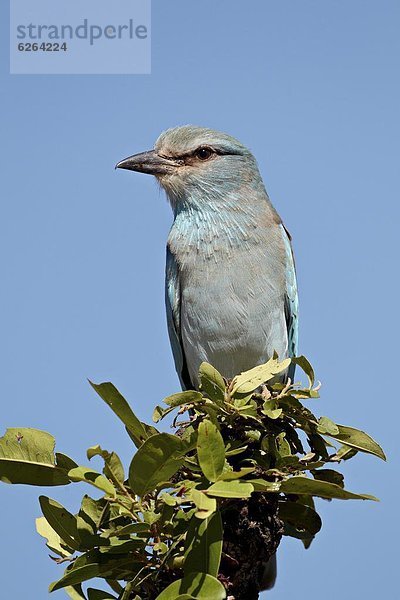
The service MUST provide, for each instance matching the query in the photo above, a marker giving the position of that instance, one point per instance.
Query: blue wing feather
(173, 308)
(291, 300)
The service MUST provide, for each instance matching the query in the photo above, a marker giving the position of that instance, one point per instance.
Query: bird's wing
(173, 307)
(291, 300)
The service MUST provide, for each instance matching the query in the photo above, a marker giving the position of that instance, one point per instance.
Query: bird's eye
(204, 153)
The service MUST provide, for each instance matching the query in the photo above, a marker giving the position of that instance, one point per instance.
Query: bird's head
(192, 163)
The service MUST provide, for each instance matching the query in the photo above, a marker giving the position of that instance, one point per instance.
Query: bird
(231, 293)
(230, 288)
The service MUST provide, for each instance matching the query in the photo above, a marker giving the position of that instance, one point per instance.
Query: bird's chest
(231, 292)
(224, 296)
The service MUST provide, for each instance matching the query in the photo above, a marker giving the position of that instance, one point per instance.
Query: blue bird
(231, 293)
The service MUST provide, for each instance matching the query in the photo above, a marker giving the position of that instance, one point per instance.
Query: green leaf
(93, 451)
(131, 528)
(151, 517)
(235, 448)
(359, 440)
(271, 409)
(61, 521)
(210, 450)
(322, 489)
(249, 410)
(344, 453)
(87, 532)
(196, 585)
(240, 400)
(306, 367)
(261, 485)
(329, 475)
(111, 396)
(159, 413)
(155, 462)
(318, 445)
(205, 505)
(54, 542)
(212, 382)
(300, 516)
(230, 475)
(27, 456)
(92, 510)
(326, 426)
(248, 381)
(65, 462)
(75, 592)
(92, 477)
(160, 547)
(203, 545)
(113, 468)
(168, 499)
(149, 429)
(91, 564)
(122, 546)
(282, 445)
(94, 594)
(76, 576)
(180, 398)
(116, 587)
(230, 489)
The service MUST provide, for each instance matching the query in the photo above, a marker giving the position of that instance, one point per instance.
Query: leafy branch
(249, 455)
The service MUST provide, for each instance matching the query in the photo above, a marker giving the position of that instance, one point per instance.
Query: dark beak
(148, 162)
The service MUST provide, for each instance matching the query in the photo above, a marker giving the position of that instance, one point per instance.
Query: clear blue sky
(313, 88)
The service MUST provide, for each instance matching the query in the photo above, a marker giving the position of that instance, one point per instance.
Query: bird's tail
(268, 577)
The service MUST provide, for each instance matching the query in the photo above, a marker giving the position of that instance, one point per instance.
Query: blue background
(313, 88)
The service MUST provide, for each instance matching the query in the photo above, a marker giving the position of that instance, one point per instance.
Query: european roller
(230, 286)
(231, 294)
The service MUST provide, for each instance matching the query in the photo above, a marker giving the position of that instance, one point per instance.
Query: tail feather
(268, 577)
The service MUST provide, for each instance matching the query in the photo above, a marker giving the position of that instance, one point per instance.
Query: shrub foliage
(157, 530)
